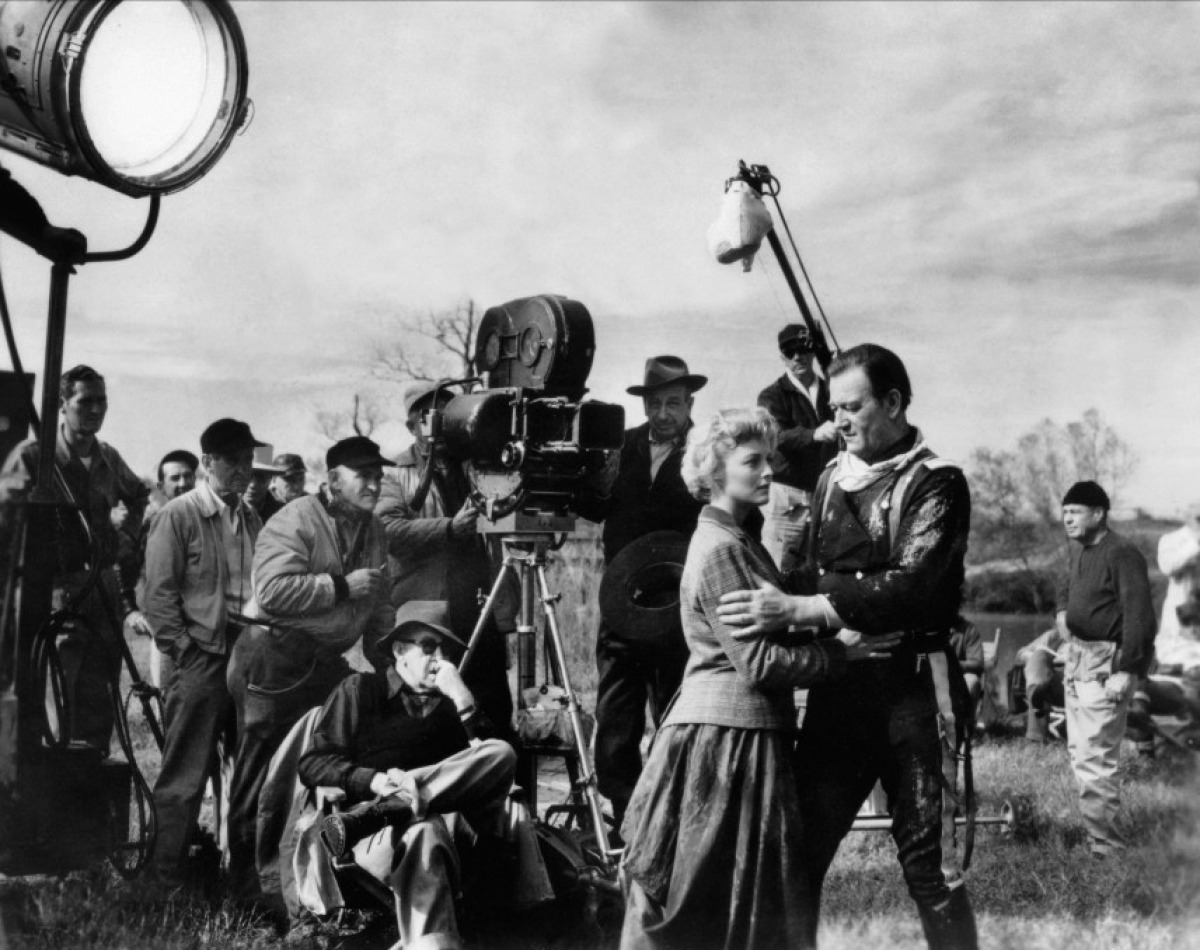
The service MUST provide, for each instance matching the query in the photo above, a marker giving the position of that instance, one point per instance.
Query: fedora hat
(431, 614)
(667, 371)
(639, 594)
(262, 460)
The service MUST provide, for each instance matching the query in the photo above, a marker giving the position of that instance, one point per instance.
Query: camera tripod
(525, 557)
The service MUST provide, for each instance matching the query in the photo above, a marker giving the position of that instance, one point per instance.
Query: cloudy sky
(1006, 194)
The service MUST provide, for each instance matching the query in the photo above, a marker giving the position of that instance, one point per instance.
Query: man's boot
(343, 830)
(950, 926)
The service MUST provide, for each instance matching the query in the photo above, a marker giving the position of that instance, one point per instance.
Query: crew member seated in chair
(398, 742)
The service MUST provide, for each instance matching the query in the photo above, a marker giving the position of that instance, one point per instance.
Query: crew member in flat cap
(288, 484)
(1106, 615)
(643, 491)
(398, 742)
(320, 581)
(198, 559)
(798, 401)
(436, 554)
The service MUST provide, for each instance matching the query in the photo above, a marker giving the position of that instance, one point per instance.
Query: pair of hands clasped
(770, 609)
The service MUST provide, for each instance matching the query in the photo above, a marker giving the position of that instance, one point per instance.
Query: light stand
(527, 541)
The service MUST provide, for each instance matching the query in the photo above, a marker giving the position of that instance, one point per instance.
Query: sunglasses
(428, 645)
(794, 350)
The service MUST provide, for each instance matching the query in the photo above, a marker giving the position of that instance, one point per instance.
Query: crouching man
(398, 742)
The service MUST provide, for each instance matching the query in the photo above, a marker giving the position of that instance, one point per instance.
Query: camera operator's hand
(449, 683)
(825, 432)
(462, 525)
(366, 582)
(861, 647)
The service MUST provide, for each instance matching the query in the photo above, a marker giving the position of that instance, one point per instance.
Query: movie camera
(528, 439)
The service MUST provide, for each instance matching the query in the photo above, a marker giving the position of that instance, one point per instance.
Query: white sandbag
(743, 222)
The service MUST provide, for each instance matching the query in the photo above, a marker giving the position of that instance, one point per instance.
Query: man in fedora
(198, 559)
(258, 494)
(798, 401)
(320, 584)
(398, 742)
(642, 492)
(435, 553)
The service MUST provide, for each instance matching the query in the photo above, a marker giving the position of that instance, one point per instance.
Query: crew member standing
(198, 561)
(1107, 617)
(886, 554)
(320, 577)
(798, 401)
(645, 493)
(98, 480)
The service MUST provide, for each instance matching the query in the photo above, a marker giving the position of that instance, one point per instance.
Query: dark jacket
(636, 507)
(798, 460)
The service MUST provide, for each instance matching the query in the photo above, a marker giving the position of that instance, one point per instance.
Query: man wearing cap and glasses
(1106, 615)
(798, 401)
(320, 584)
(288, 484)
(398, 742)
(437, 554)
(645, 493)
(198, 559)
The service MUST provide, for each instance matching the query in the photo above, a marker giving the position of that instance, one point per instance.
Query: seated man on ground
(398, 742)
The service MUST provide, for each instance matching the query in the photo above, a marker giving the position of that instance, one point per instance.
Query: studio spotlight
(140, 96)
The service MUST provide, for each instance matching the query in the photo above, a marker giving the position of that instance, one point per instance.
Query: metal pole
(587, 772)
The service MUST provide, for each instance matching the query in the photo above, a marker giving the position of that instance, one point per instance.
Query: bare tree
(363, 419)
(428, 346)
(1017, 494)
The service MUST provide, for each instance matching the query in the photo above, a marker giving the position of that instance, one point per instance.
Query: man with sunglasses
(399, 743)
(799, 402)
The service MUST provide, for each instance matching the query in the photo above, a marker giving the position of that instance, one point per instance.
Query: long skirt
(713, 856)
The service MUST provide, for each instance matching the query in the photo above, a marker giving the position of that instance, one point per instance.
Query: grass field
(1034, 889)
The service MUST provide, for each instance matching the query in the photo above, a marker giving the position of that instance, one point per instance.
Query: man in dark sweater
(399, 742)
(798, 401)
(642, 492)
(1106, 615)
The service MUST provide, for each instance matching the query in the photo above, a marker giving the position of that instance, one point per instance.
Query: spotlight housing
(141, 97)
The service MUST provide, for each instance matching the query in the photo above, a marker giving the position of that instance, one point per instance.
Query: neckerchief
(852, 474)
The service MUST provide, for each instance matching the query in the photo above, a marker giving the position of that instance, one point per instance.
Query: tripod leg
(588, 780)
(489, 607)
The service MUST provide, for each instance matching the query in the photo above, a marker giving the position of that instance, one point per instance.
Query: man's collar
(211, 502)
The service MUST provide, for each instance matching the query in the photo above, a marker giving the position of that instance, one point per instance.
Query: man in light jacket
(320, 584)
(198, 559)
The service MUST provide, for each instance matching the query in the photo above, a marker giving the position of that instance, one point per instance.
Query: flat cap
(227, 435)
(355, 452)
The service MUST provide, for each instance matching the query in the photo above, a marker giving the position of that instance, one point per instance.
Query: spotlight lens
(157, 91)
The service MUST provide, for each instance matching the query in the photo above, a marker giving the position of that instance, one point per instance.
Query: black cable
(774, 193)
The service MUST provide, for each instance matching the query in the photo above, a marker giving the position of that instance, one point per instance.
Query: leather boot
(343, 830)
(950, 926)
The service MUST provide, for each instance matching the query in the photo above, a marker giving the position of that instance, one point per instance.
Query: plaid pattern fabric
(737, 677)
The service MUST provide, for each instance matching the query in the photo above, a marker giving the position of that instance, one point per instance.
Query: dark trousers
(275, 676)
(198, 712)
(867, 727)
(629, 675)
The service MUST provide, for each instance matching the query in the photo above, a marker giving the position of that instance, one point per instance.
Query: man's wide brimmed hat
(263, 463)
(667, 371)
(431, 614)
(639, 595)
